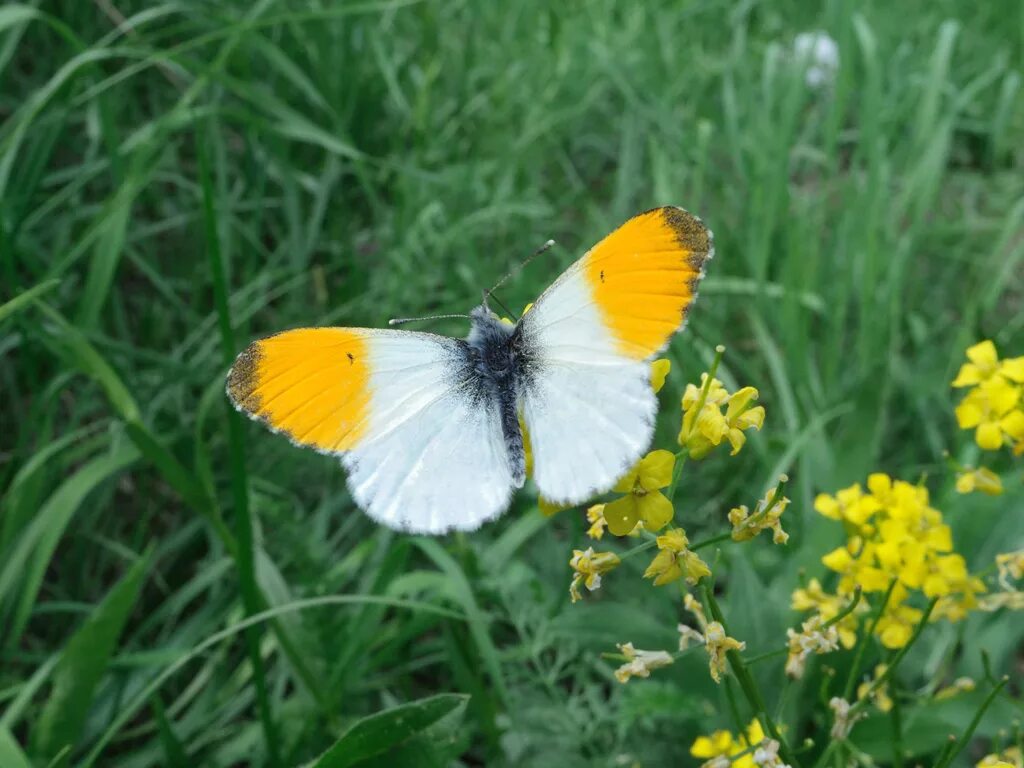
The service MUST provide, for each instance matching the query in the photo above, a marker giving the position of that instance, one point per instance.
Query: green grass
(211, 172)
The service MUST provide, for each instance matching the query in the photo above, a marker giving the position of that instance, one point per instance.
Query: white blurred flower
(820, 53)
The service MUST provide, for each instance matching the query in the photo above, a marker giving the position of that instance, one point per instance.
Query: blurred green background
(178, 178)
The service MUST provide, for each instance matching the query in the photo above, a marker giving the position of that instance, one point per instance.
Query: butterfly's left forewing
(404, 411)
(587, 399)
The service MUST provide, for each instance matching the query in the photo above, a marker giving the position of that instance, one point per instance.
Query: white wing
(588, 409)
(423, 448)
(587, 401)
(433, 458)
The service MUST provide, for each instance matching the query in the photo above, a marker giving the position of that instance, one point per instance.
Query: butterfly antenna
(402, 320)
(497, 301)
(517, 269)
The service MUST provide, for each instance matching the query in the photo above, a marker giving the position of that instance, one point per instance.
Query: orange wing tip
(691, 234)
(310, 385)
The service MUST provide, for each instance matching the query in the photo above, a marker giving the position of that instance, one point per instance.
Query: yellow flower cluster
(705, 426)
(1010, 566)
(994, 404)
(722, 744)
(1008, 758)
(894, 535)
(981, 479)
(712, 635)
(767, 515)
(588, 566)
(674, 560)
(813, 597)
(640, 663)
(880, 695)
(815, 636)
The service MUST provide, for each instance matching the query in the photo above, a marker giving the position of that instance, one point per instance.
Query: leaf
(388, 731)
(71, 344)
(84, 662)
(105, 259)
(25, 562)
(25, 298)
(11, 755)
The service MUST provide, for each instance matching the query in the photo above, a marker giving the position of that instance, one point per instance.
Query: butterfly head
(487, 331)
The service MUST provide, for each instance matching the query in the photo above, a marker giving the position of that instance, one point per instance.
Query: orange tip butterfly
(428, 427)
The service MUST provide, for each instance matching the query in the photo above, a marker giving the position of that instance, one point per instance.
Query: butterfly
(428, 427)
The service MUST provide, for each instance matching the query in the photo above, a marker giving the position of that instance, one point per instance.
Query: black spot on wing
(691, 234)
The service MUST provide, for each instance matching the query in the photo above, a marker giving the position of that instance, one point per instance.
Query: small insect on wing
(587, 401)
(402, 410)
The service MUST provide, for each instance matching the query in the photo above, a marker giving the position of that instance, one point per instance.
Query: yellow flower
(716, 642)
(674, 560)
(588, 566)
(644, 499)
(1011, 600)
(706, 426)
(659, 372)
(844, 718)
(894, 534)
(828, 606)
(980, 479)
(1008, 758)
(724, 744)
(990, 409)
(1011, 567)
(984, 364)
(813, 637)
(849, 505)
(958, 686)
(595, 516)
(880, 697)
(640, 663)
(767, 515)
(897, 624)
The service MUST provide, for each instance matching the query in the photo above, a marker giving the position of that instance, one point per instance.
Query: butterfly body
(501, 367)
(428, 427)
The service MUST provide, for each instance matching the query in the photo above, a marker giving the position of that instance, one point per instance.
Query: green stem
(896, 718)
(863, 641)
(883, 678)
(677, 471)
(748, 684)
(251, 597)
(965, 739)
(857, 594)
(713, 540)
(734, 710)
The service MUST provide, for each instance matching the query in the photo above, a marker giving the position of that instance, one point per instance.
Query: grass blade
(83, 664)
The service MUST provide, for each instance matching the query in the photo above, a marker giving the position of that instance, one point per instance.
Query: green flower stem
(776, 498)
(896, 717)
(834, 749)
(701, 401)
(765, 656)
(883, 678)
(747, 682)
(649, 544)
(734, 710)
(857, 594)
(677, 471)
(863, 640)
(964, 740)
(713, 540)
